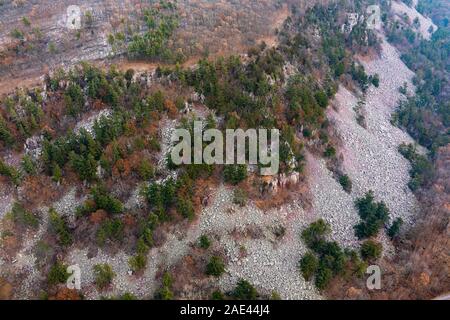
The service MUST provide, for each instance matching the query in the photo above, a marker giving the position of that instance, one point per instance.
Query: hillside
(89, 180)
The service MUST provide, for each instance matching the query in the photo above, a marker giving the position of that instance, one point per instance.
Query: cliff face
(35, 35)
(39, 35)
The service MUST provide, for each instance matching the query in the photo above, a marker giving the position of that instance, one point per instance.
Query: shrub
(373, 215)
(244, 291)
(371, 250)
(332, 256)
(279, 231)
(215, 267)
(74, 99)
(26, 21)
(103, 275)
(234, 173)
(376, 80)
(146, 170)
(18, 34)
(57, 274)
(403, 89)
(28, 165)
(110, 230)
(322, 99)
(186, 208)
(218, 295)
(358, 266)
(165, 292)
(323, 277)
(307, 133)
(59, 227)
(138, 262)
(346, 183)
(204, 242)
(10, 172)
(105, 201)
(56, 173)
(127, 296)
(394, 229)
(275, 296)
(239, 197)
(329, 261)
(422, 171)
(308, 265)
(330, 152)
(23, 217)
(359, 75)
(5, 134)
(314, 234)
(152, 44)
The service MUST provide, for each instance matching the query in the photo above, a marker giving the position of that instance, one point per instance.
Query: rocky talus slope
(370, 155)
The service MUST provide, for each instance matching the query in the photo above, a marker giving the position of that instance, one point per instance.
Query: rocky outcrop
(273, 183)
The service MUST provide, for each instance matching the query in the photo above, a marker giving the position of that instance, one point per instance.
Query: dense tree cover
(87, 82)
(422, 169)
(74, 99)
(438, 10)
(193, 170)
(334, 56)
(100, 200)
(20, 117)
(160, 22)
(81, 151)
(244, 93)
(241, 92)
(326, 259)
(105, 147)
(163, 198)
(374, 215)
(426, 116)
(307, 103)
(250, 94)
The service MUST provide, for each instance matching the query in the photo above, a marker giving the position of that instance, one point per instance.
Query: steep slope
(38, 36)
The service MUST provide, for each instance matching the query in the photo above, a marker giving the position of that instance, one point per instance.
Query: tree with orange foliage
(171, 109)
(65, 294)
